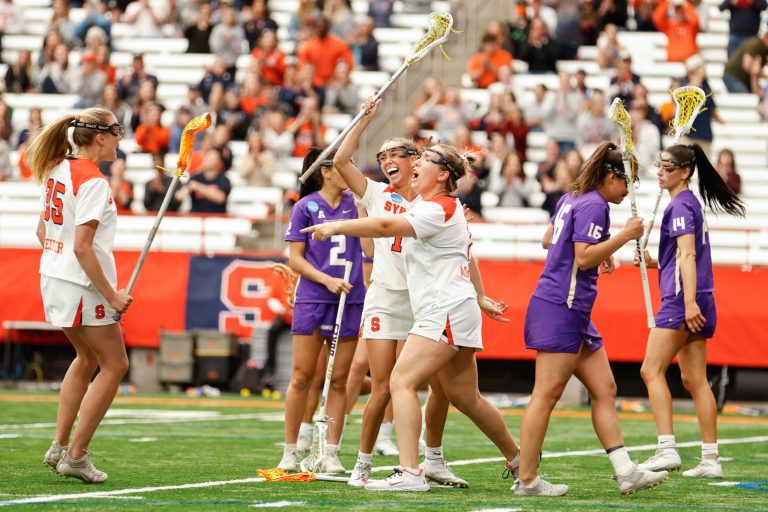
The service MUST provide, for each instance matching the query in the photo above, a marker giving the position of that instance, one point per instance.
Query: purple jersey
(684, 216)
(582, 218)
(328, 256)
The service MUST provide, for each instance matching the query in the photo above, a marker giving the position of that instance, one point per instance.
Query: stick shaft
(358, 117)
(678, 134)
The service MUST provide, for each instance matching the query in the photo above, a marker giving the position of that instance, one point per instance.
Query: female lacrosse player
(78, 278)
(324, 197)
(387, 316)
(446, 298)
(687, 317)
(558, 325)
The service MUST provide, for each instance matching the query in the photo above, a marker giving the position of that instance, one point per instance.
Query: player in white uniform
(387, 315)
(446, 296)
(78, 278)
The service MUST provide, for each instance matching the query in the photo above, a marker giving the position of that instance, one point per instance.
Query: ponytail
(715, 193)
(460, 162)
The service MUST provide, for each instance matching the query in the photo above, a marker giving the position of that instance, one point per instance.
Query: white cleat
(361, 474)
(663, 460)
(438, 471)
(386, 447)
(304, 441)
(53, 455)
(540, 488)
(330, 463)
(639, 480)
(400, 480)
(290, 461)
(82, 469)
(707, 468)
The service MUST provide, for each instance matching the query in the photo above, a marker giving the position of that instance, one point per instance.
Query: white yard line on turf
(252, 416)
(120, 492)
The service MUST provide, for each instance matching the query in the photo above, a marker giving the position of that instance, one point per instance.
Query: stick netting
(440, 25)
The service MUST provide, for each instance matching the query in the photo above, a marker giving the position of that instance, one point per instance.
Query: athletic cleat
(290, 461)
(438, 471)
(541, 488)
(82, 469)
(361, 474)
(638, 480)
(707, 468)
(386, 447)
(330, 463)
(400, 480)
(663, 460)
(304, 441)
(53, 455)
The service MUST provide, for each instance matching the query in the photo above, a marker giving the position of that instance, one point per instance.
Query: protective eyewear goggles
(668, 165)
(441, 161)
(115, 129)
(621, 173)
(396, 152)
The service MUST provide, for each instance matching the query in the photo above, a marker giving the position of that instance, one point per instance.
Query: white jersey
(74, 193)
(437, 260)
(381, 200)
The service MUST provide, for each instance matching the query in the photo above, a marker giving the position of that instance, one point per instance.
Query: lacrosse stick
(199, 123)
(688, 103)
(440, 25)
(320, 431)
(619, 115)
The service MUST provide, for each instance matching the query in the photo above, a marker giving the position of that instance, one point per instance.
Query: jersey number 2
(54, 204)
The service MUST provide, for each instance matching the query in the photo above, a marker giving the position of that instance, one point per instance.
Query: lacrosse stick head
(288, 277)
(317, 450)
(689, 101)
(440, 25)
(619, 115)
(197, 124)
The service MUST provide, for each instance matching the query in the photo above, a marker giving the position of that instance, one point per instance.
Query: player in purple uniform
(324, 197)
(559, 328)
(687, 316)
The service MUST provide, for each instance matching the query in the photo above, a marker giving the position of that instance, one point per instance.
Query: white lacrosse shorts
(69, 304)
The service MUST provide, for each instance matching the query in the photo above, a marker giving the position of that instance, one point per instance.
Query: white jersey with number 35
(381, 200)
(437, 260)
(74, 193)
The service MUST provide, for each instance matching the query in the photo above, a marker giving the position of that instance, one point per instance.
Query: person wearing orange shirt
(272, 58)
(484, 66)
(680, 23)
(150, 135)
(324, 50)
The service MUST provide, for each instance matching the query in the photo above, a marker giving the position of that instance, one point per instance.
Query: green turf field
(202, 454)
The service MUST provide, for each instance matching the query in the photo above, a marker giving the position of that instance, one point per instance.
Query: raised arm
(343, 160)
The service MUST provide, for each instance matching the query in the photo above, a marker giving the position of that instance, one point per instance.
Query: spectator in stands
(644, 15)
(490, 172)
(21, 76)
(183, 116)
(216, 80)
(253, 95)
(646, 138)
(89, 83)
(677, 19)
(150, 135)
(593, 125)
(144, 19)
(517, 188)
(298, 28)
(228, 39)
(156, 189)
(341, 95)
(122, 189)
(518, 28)
(339, 13)
(580, 84)
(568, 33)
(307, 128)
(129, 83)
(623, 84)
(380, 12)
(365, 47)
(430, 88)
(11, 18)
(220, 141)
(51, 41)
(744, 21)
(539, 51)
(6, 168)
(297, 86)
(469, 191)
(147, 95)
(61, 22)
(612, 11)
(726, 168)
(573, 162)
(195, 102)
(546, 168)
(102, 62)
(534, 112)
(276, 137)
(233, 116)
(208, 188)
(500, 31)
(198, 34)
(609, 49)
(701, 133)
(448, 116)
(57, 77)
(744, 68)
(95, 16)
(256, 20)
(483, 67)
(34, 125)
(559, 114)
(537, 10)
(556, 188)
(257, 166)
(324, 51)
(95, 37)
(271, 58)
(412, 131)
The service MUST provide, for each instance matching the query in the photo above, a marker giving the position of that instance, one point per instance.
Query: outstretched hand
(493, 309)
(321, 231)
